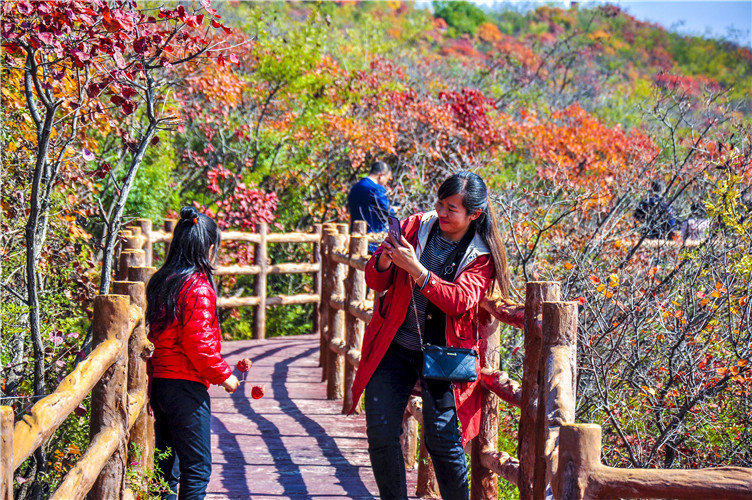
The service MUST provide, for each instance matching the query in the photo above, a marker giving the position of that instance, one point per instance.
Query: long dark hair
(194, 235)
(474, 197)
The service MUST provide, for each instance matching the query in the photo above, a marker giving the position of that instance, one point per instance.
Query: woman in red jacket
(434, 301)
(182, 316)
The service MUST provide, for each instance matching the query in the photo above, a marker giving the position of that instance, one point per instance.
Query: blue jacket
(367, 201)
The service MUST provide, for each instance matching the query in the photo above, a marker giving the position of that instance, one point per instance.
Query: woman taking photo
(434, 277)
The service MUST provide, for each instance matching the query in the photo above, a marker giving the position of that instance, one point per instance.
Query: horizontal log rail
(261, 269)
(584, 476)
(280, 300)
(79, 480)
(358, 263)
(44, 418)
(499, 383)
(284, 268)
(162, 236)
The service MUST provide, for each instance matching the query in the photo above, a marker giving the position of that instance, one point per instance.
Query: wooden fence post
(579, 454)
(427, 486)
(259, 257)
(109, 408)
(169, 227)
(138, 353)
(556, 401)
(484, 482)
(336, 375)
(355, 295)
(409, 439)
(6, 453)
(327, 275)
(129, 257)
(137, 383)
(146, 226)
(317, 229)
(536, 293)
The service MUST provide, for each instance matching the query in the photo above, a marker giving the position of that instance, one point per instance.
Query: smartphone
(394, 228)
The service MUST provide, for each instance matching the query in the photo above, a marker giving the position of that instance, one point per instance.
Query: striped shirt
(433, 257)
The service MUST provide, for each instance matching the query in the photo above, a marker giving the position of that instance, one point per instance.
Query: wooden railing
(115, 374)
(556, 456)
(261, 269)
(553, 451)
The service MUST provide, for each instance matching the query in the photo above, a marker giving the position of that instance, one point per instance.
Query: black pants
(386, 399)
(182, 422)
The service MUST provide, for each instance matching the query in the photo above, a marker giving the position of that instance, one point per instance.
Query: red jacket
(458, 299)
(191, 351)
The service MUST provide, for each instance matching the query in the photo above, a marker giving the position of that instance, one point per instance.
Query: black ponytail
(194, 235)
(474, 197)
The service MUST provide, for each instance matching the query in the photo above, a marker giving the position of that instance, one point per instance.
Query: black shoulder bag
(453, 364)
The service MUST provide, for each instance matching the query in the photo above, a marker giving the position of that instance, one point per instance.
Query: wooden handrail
(583, 476)
(49, 412)
(79, 480)
(293, 237)
(552, 449)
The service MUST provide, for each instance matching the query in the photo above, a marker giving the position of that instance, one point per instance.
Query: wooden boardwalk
(293, 442)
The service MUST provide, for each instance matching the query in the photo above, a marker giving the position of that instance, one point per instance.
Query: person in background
(368, 201)
(433, 277)
(656, 217)
(181, 312)
(696, 226)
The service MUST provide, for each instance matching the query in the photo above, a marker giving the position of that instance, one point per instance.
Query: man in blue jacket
(367, 200)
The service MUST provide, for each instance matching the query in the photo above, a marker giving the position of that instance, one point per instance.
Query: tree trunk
(113, 228)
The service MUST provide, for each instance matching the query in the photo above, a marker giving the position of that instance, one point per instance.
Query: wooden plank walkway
(293, 442)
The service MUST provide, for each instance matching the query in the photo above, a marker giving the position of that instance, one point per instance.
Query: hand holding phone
(394, 228)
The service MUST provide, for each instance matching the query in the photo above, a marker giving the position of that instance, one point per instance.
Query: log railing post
(579, 454)
(355, 296)
(327, 266)
(336, 375)
(109, 409)
(129, 257)
(138, 347)
(484, 482)
(259, 321)
(535, 294)
(557, 388)
(316, 258)
(146, 226)
(169, 227)
(6, 453)
(427, 486)
(409, 439)
(139, 350)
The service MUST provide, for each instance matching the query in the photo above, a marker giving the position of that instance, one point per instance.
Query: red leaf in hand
(244, 365)
(257, 392)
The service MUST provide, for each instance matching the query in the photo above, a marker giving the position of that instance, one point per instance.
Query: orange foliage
(489, 33)
(574, 147)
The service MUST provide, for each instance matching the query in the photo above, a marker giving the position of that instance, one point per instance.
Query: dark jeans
(386, 398)
(182, 422)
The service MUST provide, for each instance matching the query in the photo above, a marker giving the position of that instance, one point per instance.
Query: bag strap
(450, 266)
(448, 269)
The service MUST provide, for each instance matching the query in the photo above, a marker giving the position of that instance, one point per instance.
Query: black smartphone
(394, 228)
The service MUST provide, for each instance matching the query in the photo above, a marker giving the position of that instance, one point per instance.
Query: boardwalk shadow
(289, 473)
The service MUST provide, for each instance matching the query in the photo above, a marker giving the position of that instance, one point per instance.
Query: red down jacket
(458, 299)
(191, 351)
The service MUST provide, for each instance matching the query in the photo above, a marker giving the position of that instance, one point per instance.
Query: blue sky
(728, 19)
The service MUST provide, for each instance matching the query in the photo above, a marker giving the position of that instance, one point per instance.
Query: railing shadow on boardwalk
(289, 444)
